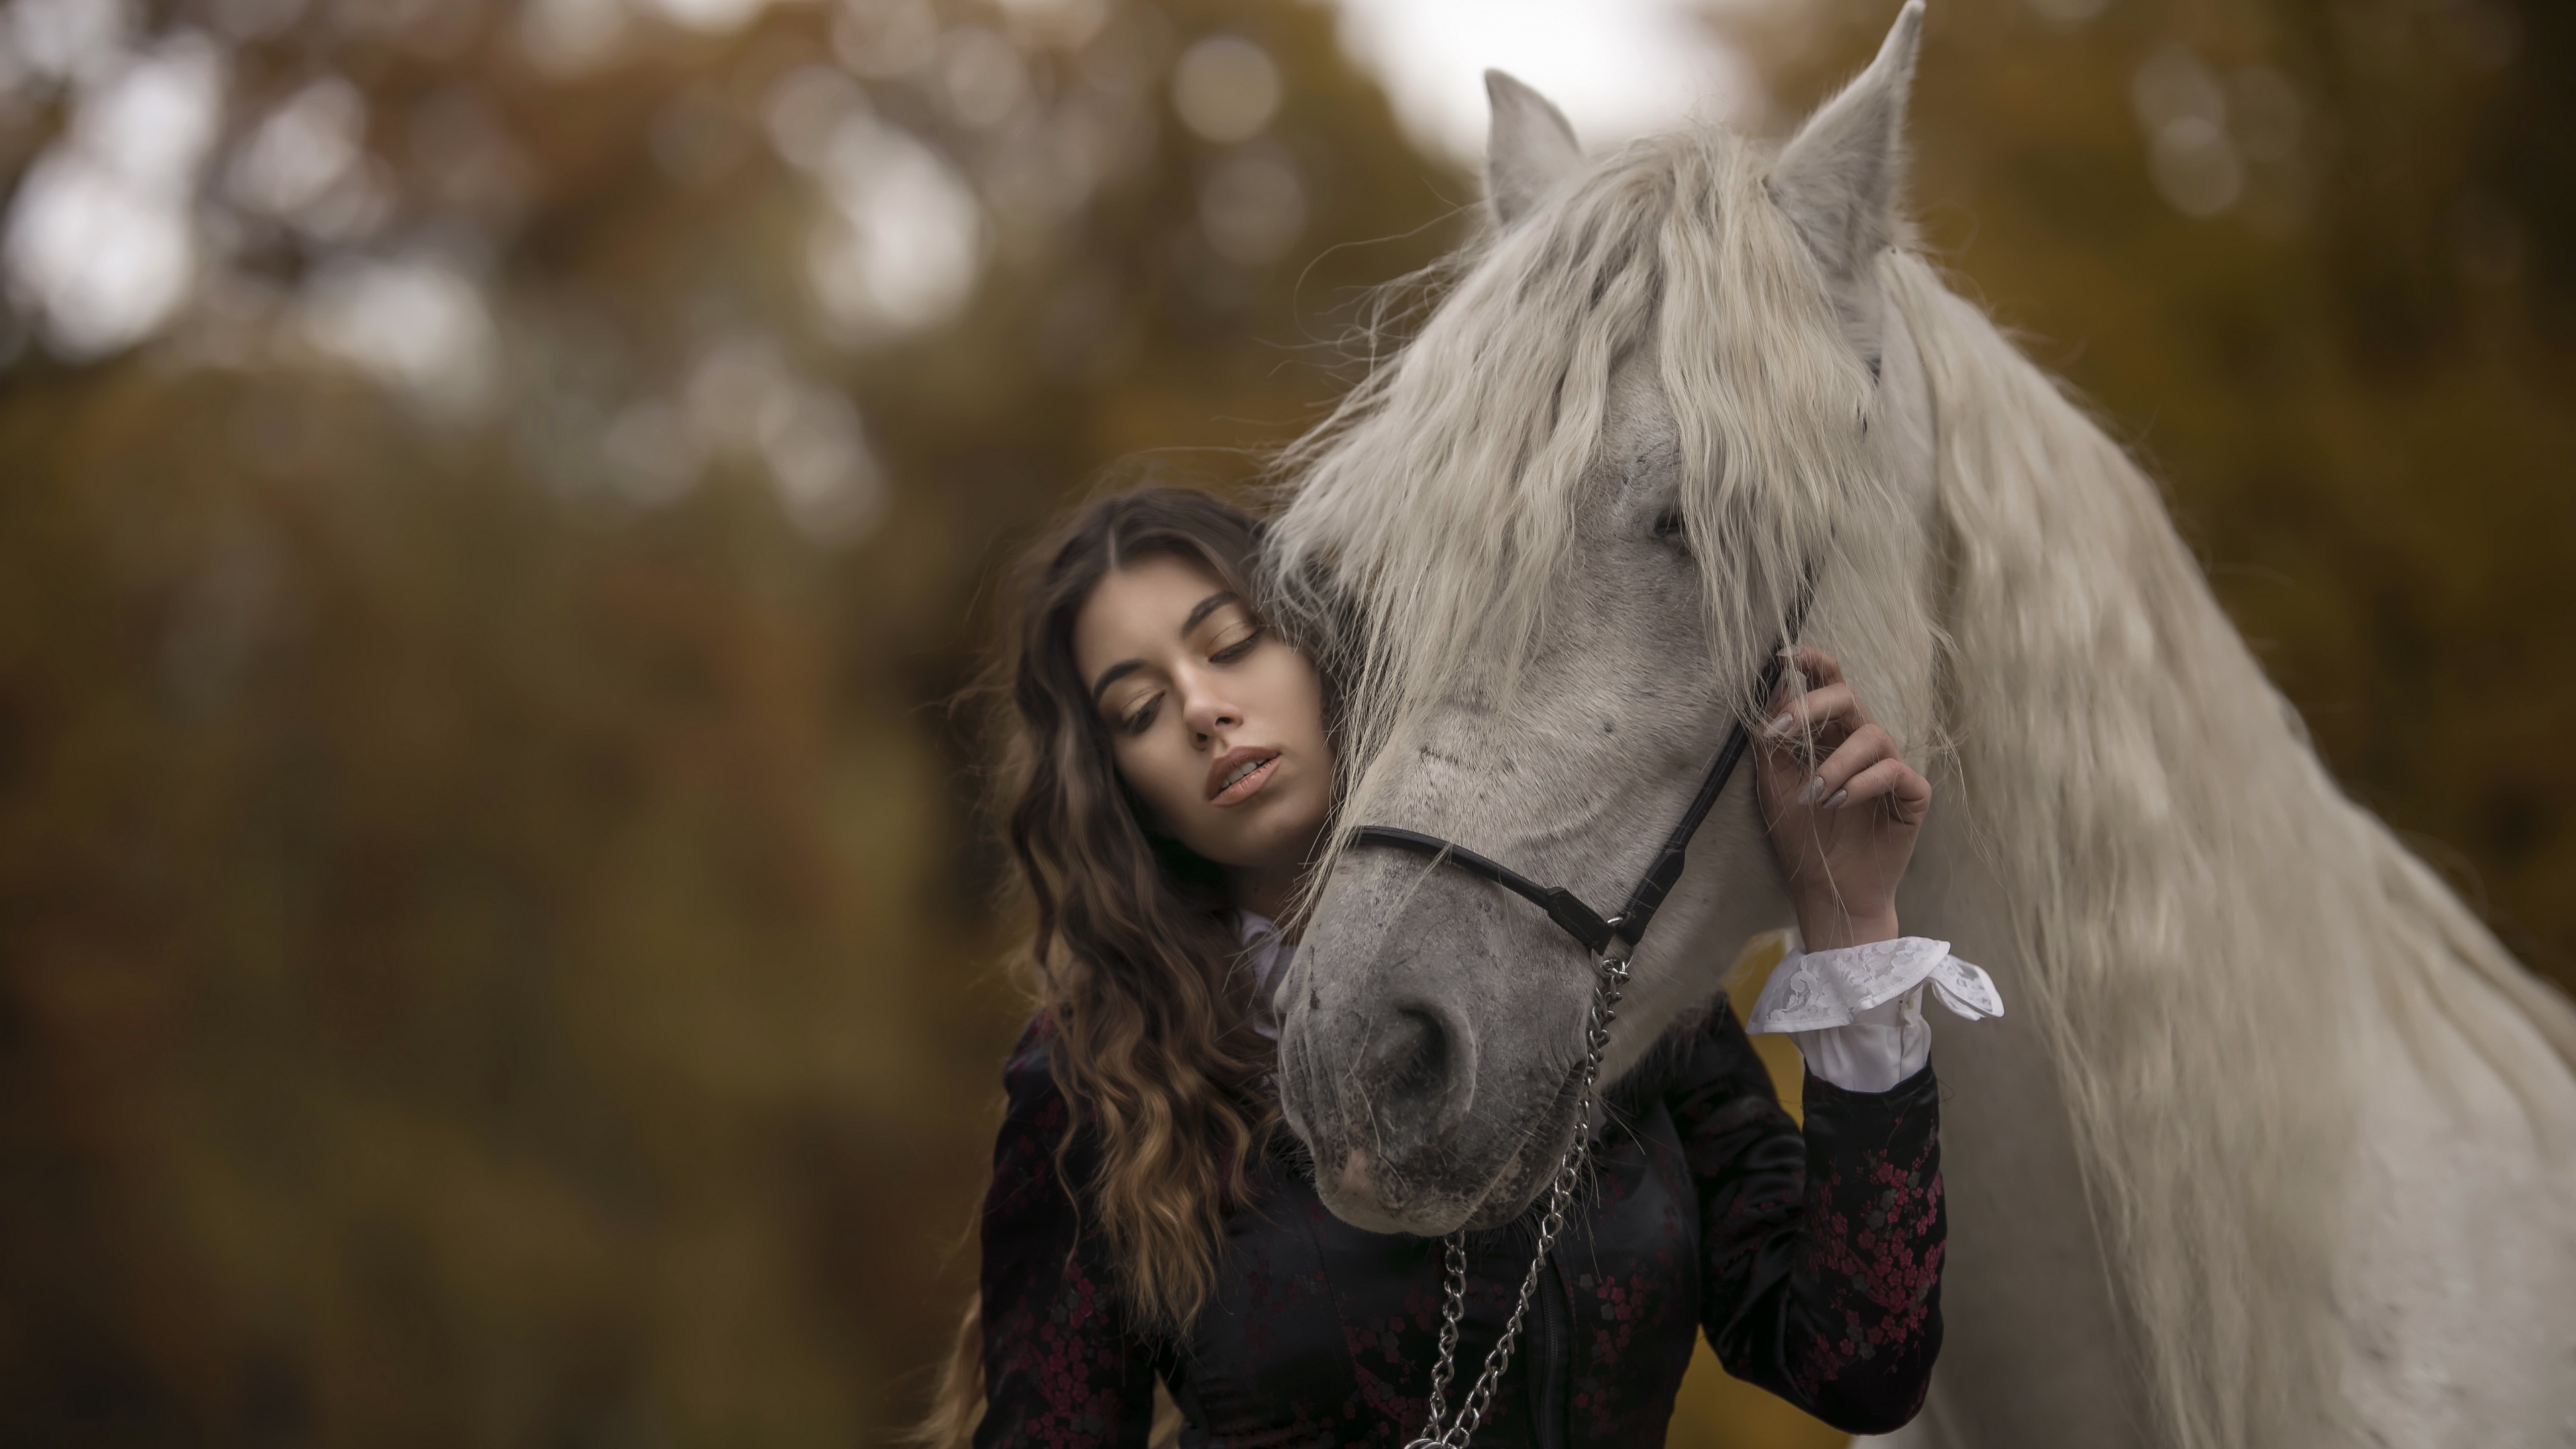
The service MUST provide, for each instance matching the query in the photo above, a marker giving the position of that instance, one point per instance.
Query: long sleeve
(1820, 1255)
(1059, 1372)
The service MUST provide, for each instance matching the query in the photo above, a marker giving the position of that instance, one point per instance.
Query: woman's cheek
(1173, 792)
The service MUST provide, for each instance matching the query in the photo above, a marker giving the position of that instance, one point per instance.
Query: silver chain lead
(1439, 1431)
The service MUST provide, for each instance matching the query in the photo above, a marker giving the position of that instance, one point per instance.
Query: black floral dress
(1811, 1260)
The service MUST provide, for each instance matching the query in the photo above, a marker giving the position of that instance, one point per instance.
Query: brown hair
(1132, 959)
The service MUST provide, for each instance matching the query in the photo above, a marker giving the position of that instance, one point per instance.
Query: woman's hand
(1841, 804)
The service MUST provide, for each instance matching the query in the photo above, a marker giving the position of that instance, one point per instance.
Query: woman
(1148, 1221)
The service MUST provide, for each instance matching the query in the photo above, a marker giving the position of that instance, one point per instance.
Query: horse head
(1661, 411)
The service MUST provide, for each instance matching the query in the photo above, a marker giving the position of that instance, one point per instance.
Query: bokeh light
(1225, 89)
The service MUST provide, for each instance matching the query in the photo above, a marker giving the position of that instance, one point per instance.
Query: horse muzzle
(1420, 1081)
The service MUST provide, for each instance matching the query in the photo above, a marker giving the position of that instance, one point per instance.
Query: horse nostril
(1417, 1055)
(1412, 1068)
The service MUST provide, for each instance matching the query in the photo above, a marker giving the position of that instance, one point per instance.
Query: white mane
(1438, 506)
(2176, 859)
(2178, 863)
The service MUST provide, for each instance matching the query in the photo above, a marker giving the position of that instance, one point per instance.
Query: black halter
(1597, 933)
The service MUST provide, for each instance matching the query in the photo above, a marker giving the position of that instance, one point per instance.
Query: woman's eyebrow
(1124, 667)
(1112, 675)
(1205, 607)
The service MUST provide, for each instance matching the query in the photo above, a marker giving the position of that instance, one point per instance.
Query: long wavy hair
(1133, 959)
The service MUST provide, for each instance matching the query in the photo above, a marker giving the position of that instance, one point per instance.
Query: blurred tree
(494, 950)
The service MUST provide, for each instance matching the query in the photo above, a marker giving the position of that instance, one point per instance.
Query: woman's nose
(1207, 713)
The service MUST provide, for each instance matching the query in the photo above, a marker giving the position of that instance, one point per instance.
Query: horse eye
(1668, 525)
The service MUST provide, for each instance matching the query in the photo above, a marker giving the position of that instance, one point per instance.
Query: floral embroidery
(1881, 1245)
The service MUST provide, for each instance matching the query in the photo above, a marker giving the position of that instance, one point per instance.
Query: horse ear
(1839, 179)
(1530, 148)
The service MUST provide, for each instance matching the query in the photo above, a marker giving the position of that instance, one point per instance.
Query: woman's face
(1217, 725)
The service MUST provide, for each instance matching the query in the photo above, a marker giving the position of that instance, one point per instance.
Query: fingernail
(1778, 726)
(1814, 788)
(1835, 800)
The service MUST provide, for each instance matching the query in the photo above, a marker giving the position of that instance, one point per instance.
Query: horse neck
(2192, 903)
(2210, 937)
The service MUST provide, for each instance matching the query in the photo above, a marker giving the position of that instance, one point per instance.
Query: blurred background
(497, 939)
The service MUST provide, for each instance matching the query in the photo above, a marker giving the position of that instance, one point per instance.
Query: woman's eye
(1141, 718)
(1229, 653)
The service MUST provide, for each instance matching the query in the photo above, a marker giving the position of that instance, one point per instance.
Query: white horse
(2277, 1146)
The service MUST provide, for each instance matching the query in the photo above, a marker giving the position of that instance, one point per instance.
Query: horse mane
(1423, 528)
(2202, 913)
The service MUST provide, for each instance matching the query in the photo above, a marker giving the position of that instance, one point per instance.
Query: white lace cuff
(1856, 1014)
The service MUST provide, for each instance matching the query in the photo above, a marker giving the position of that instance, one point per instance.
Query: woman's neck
(1265, 891)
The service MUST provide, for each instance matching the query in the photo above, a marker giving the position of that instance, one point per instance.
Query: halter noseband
(1596, 933)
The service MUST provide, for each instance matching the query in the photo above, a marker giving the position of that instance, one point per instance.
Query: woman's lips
(1249, 786)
